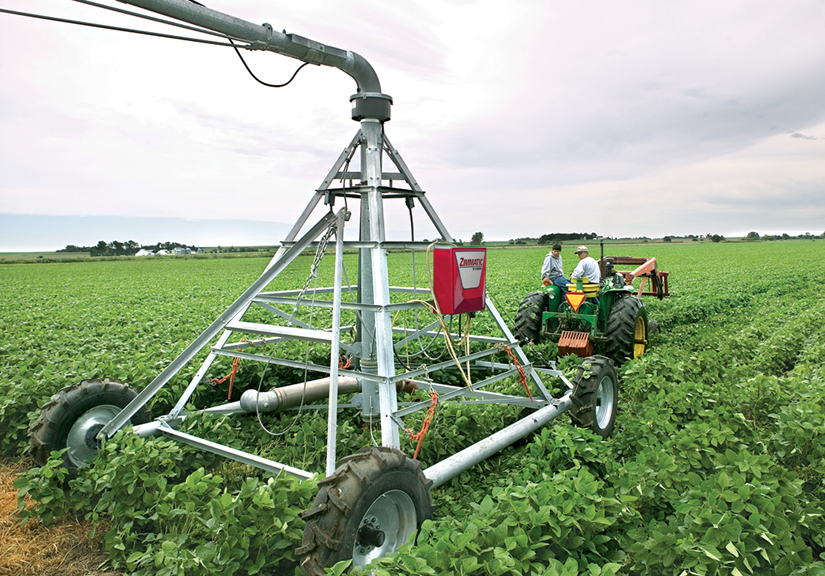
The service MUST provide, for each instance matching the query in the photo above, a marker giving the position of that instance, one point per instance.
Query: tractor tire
(75, 415)
(366, 509)
(595, 395)
(626, 330)
(528, 325)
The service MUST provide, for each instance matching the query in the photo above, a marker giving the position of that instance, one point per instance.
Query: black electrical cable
(410, 202)
(238, 52)
(158, 34)
(247, 67)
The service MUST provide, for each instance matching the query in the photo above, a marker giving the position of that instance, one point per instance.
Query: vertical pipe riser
(372, 173)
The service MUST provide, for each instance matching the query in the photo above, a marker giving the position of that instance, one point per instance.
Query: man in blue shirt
(551, 270)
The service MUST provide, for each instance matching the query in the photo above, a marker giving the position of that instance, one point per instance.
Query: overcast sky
(517, 118)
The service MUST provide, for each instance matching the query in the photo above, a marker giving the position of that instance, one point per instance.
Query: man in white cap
(586, 268)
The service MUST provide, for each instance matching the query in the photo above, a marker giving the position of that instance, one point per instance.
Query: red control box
(458, 279)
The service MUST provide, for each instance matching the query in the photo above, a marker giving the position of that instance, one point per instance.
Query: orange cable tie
(522, 377)
(424, 425)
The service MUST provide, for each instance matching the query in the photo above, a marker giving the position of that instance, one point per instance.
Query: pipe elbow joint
(362, 72)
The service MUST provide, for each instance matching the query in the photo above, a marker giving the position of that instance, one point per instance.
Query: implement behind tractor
(589, 316)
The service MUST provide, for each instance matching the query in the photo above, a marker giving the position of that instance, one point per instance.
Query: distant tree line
(754, 236)
(561, 237)
(751, 237)
(554, 237)
(118, 248)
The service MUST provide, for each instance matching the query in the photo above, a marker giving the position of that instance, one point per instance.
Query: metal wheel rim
(604, 402)
(639, 337)
(81, 450)
(394, 514)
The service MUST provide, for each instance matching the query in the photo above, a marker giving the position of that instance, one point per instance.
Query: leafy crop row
(717, 465)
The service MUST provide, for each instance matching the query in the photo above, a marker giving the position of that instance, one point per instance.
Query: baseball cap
(582, 249)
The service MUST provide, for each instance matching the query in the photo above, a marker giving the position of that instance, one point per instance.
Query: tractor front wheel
(528, 325)
(626, 330)
(73, 418)
(366, 509)
(595, 395)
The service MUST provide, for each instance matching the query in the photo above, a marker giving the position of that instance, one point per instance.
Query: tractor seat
(590, 290)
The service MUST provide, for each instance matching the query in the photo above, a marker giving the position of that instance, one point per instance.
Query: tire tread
(621, 328)
(527, 326)
(326, 525)
(48, 431)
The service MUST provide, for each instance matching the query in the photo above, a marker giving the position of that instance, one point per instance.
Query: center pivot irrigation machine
(371, 502)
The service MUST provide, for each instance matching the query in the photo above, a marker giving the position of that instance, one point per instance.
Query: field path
(62, 549)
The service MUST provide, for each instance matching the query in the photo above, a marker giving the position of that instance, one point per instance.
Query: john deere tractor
(609, 317)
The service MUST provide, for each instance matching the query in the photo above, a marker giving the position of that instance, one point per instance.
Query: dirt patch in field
(62, 549)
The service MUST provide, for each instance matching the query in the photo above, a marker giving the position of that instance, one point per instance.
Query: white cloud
(518, 118)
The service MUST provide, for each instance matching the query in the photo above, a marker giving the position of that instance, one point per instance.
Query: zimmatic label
(458, 279)
(470, 266)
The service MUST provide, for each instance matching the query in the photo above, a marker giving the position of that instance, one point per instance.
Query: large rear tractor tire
(366, 509)
(528, 326)
(626, 330)
(595, 395)
(73, 418)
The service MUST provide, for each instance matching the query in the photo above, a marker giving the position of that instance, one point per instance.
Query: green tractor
(610, 316)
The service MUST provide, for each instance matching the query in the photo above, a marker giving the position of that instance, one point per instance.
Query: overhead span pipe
(264, 37)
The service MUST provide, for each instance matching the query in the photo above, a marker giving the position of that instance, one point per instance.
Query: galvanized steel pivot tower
(385, 494)
(371, 108)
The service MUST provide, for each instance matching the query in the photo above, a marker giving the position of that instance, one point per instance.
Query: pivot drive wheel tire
(73, 418)
(528, 326)
(595, 395)
(626, 330)
(367, 508)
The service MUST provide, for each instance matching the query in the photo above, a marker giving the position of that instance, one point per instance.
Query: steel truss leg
(376, 346)
(396, 158)
(332, 421)
(344, 157)
(403, 169)
(241, 303)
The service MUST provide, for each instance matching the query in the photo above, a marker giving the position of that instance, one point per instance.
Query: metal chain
(319, 255)
(313, 272)
(544, 361)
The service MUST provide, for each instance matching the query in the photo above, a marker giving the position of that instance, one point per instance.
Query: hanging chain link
(313, 272)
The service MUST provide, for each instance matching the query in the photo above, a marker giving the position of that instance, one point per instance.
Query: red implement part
(646, 268)
(577, 343)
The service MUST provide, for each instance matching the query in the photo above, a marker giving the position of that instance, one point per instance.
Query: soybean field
(716, 466)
